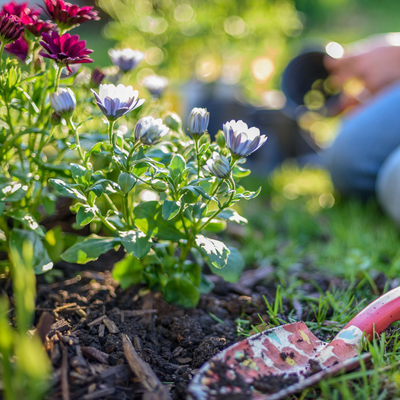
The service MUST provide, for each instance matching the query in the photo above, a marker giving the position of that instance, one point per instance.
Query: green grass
(332, 261)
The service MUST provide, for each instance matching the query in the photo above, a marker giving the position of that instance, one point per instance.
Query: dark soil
(92, 312)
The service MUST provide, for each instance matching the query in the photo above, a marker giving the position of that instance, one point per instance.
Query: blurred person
(365, 157)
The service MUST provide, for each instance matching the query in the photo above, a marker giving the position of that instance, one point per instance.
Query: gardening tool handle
(377, 316)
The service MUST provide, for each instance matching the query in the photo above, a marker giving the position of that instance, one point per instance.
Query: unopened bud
(160, 186)
(63, 102)
(55, 119)
(198, 121)
(220, 139)
(173, 121)
(218, 166)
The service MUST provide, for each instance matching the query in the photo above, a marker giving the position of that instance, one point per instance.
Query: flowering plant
(140, 182)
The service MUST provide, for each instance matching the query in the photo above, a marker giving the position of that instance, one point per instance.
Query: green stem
(110, 202)
(111, 132)
(196, 141)
(126, 210)
(225, 205)
(106, 223)
(57, 81)
(1, 53)
(78, 145)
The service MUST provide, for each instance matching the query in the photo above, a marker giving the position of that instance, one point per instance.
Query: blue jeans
(359, 161)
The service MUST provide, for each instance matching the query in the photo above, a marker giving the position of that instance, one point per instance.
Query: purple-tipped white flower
(155, 84)
(116, 101)
(218, 165)
(63, 102)
(242, 140)
(126, 59)
(198, 121)
(150, 131)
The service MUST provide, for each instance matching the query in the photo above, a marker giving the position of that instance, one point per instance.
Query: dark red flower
(65, 49)
(38, 27)
(67, 15)
(19, 48)
(11, 28)
(22, 11)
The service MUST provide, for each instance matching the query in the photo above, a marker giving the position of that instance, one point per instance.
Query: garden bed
(92, 313)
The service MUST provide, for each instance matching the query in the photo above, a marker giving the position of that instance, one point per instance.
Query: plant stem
(111, 132)
(110, 202)
(196, 141)
(1, 53)
(109, 225)
(57, 81)
(78, 145)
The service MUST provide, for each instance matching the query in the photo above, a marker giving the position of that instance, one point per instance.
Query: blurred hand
(377, 68)
(374, 62)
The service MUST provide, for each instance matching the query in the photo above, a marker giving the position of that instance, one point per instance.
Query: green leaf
(199, 210)
(28, 220)
(2, 205)
(247, 195)
(215, 225)
(12, 191)
(66, 189)
(126, 181)
(206, 285)
(232, 215)
(136, 243)
(233, 268)
(41, 261)
(49, 203)
(148, 218)
(177, 166)
(94, 150)
(214, 252)
(79, 174)
(182, 291)
(128, 271)
(85, 215)
(239, 172)
(54, 243)
(89, 249)
(193, 271)
(171, 209)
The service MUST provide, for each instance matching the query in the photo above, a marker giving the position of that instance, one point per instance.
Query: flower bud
(155, 84)
(173, 121)
(55, 119)
(96, 78)
(218, 166)
(11, 28)
(126, 181)
(220, 139)
(159, 186)
(63, 102)
(150, 131)
(198, 122)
